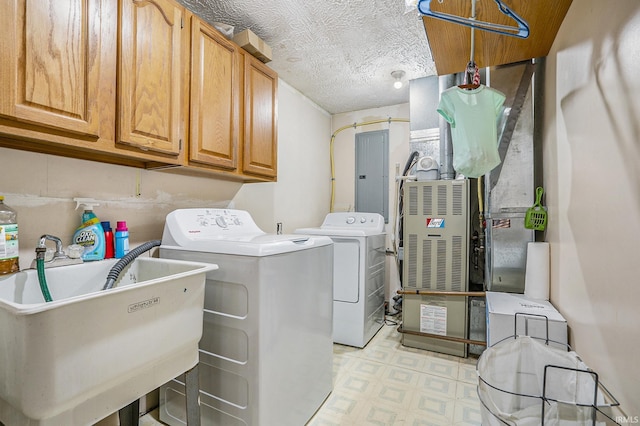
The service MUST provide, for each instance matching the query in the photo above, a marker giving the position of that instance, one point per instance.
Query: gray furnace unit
(436, 236)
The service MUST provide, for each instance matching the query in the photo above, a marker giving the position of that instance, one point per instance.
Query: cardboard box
(254, 45)
(501, 313)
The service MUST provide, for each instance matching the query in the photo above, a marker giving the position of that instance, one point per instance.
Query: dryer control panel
(372, 222)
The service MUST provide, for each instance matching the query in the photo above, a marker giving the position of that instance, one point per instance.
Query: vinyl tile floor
(389, 384)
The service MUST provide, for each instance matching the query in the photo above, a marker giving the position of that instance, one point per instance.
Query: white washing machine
(266, 354)
(358, 275)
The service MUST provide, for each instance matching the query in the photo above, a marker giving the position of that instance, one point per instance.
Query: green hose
(43, 281)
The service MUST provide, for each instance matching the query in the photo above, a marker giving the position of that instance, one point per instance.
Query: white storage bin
(536, 318)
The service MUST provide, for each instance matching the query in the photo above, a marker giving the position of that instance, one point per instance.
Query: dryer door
(346, 270)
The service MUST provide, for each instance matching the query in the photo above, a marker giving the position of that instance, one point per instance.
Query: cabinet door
(149, 75)
(215, 98)
(50, 64)
(260, 119)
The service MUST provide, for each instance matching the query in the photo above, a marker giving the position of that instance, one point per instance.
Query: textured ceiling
(339, 53)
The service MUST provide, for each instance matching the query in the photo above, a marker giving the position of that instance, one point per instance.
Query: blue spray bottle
(90, 234)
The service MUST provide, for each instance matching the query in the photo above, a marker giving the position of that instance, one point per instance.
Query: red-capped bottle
(108, 240)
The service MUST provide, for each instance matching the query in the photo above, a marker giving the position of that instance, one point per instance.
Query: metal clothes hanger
(520, 31)
(471, 70)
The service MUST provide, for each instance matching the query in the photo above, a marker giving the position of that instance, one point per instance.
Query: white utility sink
(89, 353)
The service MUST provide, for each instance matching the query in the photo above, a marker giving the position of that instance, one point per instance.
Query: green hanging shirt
(473, 116)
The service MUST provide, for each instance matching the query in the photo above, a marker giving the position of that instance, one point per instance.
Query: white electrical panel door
(372, 172)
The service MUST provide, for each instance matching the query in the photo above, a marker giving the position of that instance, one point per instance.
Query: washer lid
(228, 231)
(257, 245)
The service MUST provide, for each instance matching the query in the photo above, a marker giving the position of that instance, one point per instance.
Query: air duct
(430, 133)
(446, 144)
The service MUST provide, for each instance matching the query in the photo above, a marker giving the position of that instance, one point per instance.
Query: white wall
(41, 188)
(344, 155)
(592, 182)
(300, 197)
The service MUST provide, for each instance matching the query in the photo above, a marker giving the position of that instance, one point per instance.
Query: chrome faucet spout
(60, 258)
(42, 245)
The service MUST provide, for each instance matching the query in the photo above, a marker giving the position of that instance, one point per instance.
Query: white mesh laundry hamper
(525, 382)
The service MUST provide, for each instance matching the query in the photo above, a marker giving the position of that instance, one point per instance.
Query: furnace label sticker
(433, 319)
(435, 222)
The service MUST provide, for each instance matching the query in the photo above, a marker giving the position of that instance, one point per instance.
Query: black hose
(117, 269)
(409, 164)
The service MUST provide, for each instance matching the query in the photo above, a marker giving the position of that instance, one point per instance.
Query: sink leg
(192, 385)
(130, 415)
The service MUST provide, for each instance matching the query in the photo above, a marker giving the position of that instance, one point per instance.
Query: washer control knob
(221, 222)
(351, 220)
(363, 220)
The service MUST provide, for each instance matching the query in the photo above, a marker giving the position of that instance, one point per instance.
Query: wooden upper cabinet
(124, 82)
(149, 75)
(215, 98)
(50, 64)
(260, 119)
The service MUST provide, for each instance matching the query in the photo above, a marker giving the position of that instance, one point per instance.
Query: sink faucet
(42, 247)
(60, 258)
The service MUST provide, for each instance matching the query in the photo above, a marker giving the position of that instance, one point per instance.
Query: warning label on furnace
(433, 319)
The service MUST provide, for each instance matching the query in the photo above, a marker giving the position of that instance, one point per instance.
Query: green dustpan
(536, 217)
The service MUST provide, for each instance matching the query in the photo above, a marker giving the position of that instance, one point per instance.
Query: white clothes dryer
(266, 354)
(359, 273)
